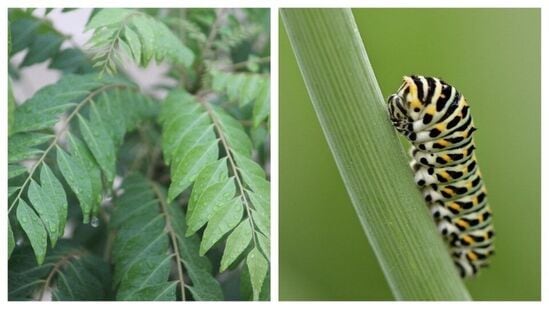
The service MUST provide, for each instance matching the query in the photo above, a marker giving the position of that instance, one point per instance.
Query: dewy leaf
(33, 227)
(108, 121)
(204, 285)
(224, 186)
(24, 146)
(111, 110)
(45, 107)
(258, 267)
(183, 120)
(212, 173)
(85, 158)
(211, 201)
(50, 202)
(237, 242)
(78, 179)
(223, 221)
(169, 46)
(100, 144)
(264, 244)
(234, 133)
(261, 221)
(189, 167)
(148, 231)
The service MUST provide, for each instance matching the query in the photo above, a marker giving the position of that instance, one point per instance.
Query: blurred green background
(493, 57)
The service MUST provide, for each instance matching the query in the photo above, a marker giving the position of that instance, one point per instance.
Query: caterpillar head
(398, 111)
(405, 105)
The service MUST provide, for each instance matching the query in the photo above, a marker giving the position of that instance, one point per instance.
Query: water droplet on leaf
(94, 221)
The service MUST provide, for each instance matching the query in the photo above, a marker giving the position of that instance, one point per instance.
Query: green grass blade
(371, 161)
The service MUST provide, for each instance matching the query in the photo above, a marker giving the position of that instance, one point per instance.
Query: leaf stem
(373, 165)
(173, 236)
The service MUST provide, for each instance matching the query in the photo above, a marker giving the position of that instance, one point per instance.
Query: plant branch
(56, 267)
(232, 164)
(173, 236)
(372, 163)
(87, 99)
(213, 31)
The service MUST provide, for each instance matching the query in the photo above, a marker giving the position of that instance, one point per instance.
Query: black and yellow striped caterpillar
(436, 119)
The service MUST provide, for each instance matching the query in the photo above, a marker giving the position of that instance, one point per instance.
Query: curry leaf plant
(120, 191)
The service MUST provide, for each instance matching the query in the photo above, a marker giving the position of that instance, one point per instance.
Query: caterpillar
(436, 119)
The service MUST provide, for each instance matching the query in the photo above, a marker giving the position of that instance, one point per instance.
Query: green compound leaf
(133, 34)
(150, 239)
(68, 272)
(107, 108)
(353, 115)
(244, 89)
(35, 230)
(230, 195)
(49, 103)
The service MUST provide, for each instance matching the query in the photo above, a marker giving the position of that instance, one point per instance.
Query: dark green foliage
(150, 238)
(43, 42)
(69, 273)
(166, 195)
